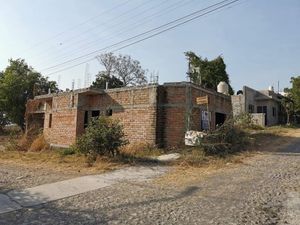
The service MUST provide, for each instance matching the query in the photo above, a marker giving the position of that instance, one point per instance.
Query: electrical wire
(123, 30)
(77, 25)
(69, 40)
(214, 6)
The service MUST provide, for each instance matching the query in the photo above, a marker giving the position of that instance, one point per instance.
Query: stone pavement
(17, 199)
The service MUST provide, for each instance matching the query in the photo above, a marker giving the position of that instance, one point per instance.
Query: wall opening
(35, 121)
(220, 118)
(95, 113)
(50, 120)
(86, 119)
(108, 112)
(263, 109)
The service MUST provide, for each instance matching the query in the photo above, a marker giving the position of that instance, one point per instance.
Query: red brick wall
(177, 102)
(63, 127)
(153, 114)
(134, 107)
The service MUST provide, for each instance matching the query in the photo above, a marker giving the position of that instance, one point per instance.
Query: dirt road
(265, 189)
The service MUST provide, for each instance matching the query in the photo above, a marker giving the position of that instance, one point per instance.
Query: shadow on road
(53, 213)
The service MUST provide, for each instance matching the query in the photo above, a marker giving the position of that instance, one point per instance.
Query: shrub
(102, 136)
(66, 151)
(245, 121)
(227, 138)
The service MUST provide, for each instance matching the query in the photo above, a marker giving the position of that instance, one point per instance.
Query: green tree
(295, 93)
(102, 78)
(121, 68)
(208, 73)
(18, 83)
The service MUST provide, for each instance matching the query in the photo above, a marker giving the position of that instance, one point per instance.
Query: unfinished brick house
(157, 114)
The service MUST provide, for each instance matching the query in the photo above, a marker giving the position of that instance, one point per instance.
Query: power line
(90, 29)
(143, 33)
(150, 36)
(125, 29)
(78, 25)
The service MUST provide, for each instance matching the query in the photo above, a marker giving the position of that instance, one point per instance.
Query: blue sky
(259, 39)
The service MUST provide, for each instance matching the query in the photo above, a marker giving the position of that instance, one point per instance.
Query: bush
(227, 138)
(67, 151)
(245, 121)
(102, 136)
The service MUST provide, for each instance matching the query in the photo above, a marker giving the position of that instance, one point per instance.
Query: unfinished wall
(180, 112)
(258, 119)
(155, 114)
(238, 104)
(61, 131)
(135, 107)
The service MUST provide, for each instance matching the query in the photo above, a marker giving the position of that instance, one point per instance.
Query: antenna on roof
(87, 76)
(73, 84)
(79, 83)
(154, 76)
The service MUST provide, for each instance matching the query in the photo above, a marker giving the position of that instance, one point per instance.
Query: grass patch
(59, 160)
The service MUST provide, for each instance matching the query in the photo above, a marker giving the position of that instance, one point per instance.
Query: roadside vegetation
(104, 147)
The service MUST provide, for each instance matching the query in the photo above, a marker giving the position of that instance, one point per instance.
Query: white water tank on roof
(271, 88)
(223, 88)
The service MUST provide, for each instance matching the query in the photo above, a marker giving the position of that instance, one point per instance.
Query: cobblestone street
(265, 189)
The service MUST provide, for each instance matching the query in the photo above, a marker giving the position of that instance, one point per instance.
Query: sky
(258, 39)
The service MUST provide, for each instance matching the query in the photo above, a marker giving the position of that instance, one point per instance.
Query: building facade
(156, 114)
(265, 106)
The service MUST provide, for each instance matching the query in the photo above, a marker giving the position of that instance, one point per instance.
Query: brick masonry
(157, 114)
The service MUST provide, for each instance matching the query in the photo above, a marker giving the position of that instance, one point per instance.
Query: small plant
(103, 136)
(67, 151)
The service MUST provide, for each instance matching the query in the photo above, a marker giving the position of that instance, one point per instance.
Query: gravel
(19, 176)
(256, 192)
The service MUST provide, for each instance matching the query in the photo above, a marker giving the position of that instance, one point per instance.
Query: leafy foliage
(294, 93)
(18, 83)
(120, 71)
(102, 78)
(210, 73)
(102, 136)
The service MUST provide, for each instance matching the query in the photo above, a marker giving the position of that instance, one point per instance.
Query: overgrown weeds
(39, 144)
(220, 144)
(228, 138)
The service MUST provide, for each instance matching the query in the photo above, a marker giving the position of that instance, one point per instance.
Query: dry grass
(184, 174)
(55, 160)
(39, 144)
(195, 165)
(140, 150)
